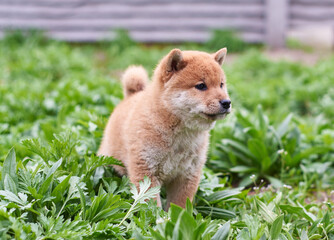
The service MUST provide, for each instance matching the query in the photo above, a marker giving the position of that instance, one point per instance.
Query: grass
(270, 169)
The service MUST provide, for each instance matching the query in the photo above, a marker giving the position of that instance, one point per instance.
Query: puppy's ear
(220, 56)
(175, 61)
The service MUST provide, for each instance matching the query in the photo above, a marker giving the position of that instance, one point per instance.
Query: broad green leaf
(222, 232)
(82, 201)
(9, 167)
(54, 167)
(49, 177)
(287, 234)
(315, 237)
(243, 235)
(258, 149)
(46, 185)
(275, 181)
(34, 193)
(216, 213)
(282, 237)
(156, 235)
(255, 228)
(303, 235)
(300, 211)
(283, 127)
(243, 169)
(199, 231)
(310, 151)
(174, 212)
(60, 189)
(9, 184)
(266, 213)
(221, 195)
(326, 219)
(263, 120)
(240, 147)
(185, 224)
(233, 153)
(169, 229)
(276, 227)
(11, 197)
(244, 121)
(189, 207)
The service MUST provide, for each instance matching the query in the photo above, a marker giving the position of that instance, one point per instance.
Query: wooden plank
(147, 20)
(276, 22)
(121, 10)
(148, 36)
(134, 24)
(312, 2)
(312, 12)
(66, 3)
(310, 22)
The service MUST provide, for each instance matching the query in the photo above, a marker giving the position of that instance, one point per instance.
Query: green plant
(55, 99)
(256, 149)
(225, 38)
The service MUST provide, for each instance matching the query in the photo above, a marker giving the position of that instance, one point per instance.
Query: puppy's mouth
(215, 116)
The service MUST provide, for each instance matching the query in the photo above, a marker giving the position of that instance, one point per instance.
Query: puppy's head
(193, 86)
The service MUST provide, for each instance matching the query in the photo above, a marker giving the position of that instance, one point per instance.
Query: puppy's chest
(181, 155)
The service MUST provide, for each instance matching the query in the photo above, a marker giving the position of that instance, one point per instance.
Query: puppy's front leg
(137, 170)
(180, 189)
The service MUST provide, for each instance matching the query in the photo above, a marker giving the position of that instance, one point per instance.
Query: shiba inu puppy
(161, 129)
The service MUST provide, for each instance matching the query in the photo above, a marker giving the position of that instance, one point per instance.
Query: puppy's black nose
(225, 103)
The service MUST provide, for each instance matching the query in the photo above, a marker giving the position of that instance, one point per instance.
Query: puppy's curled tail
(134, 80)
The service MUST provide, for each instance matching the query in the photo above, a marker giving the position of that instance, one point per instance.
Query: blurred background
(270, 22)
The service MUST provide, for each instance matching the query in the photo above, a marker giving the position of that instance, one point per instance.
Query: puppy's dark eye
(221, 85)
(201, 86)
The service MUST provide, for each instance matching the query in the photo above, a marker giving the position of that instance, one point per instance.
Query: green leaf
(243, 169)
(258, 149)
(45, 185)
(308, 152)
(326, 219)
(276, 227)
(60, 189)
(174, 212)
(156, 235)
(283, 127)
(275, 181)
(243, 235)
(11, 197)
(54, 167)
(216, 213)
(244, 121)
(199, 231)
(34, 146)
(300, 211)
(49, 177)
(9, 167)
(263, 120)
(145, 192)
(185, 224)
(222, 232)
(9, 184)
(266, 213)
(189, 207)
(82, 201)
(221, 195)
(317, 236)
(303, 235)
(239, 146)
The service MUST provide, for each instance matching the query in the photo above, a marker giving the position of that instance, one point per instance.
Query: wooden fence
(164, 20)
